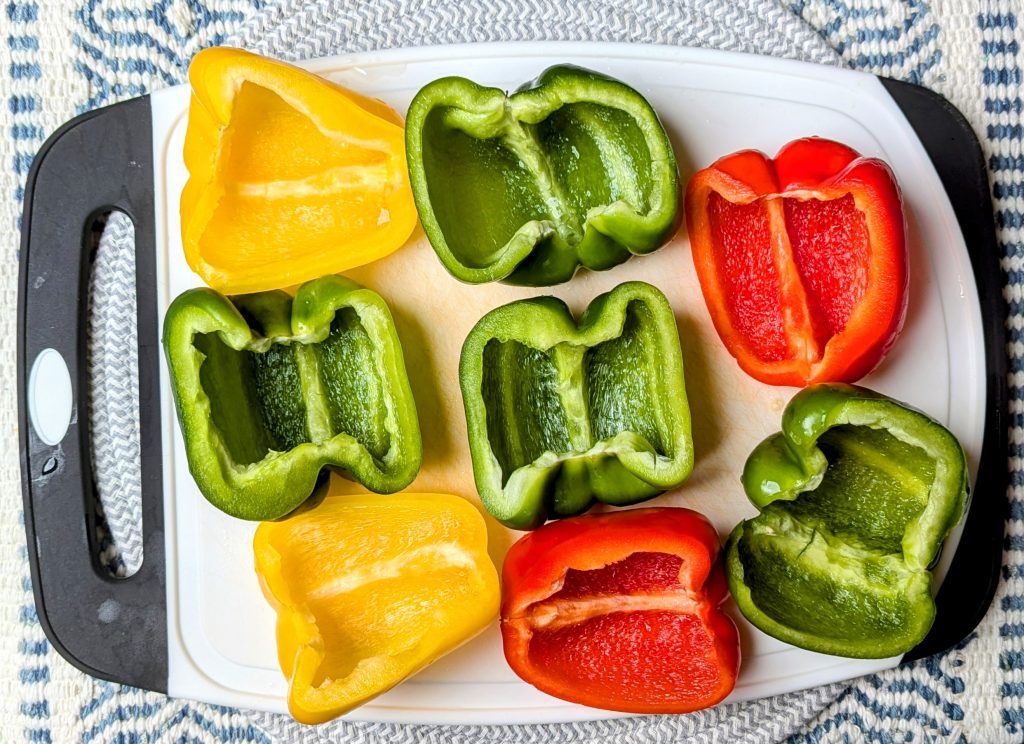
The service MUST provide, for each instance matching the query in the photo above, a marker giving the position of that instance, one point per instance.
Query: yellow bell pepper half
(291, 177)
(370, 589)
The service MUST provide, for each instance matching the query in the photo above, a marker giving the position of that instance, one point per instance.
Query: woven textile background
(58, 59)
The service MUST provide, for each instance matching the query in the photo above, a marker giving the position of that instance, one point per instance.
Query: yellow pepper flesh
(290, 176)
(369, 590)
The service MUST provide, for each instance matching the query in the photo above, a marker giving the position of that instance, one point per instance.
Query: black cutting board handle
(951, 144)
(115, 629)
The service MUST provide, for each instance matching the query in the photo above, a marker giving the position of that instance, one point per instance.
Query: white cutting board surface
(221, 629)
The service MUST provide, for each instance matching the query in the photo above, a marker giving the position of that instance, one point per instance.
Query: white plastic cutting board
(220, 628)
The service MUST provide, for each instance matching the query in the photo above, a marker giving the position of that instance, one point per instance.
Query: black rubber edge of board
(971, 581)
(115, 629)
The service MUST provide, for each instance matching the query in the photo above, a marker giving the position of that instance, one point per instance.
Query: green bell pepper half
(856, 494)
(270, 389)
(573, 169)
(559, 415)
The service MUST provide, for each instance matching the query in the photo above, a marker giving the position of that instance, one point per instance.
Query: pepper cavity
(270, 389)
(857, 493)
(802, 260)
(573, 170)
(589, 617)
(560, 415)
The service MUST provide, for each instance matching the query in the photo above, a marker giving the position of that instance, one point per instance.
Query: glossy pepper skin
(560, 415)
(856, 493)
(573, 169)
(802, 260)
(291, 177)
(270, 389)
(371, 589)
(621, 611)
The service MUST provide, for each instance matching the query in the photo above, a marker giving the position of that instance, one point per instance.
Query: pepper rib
(437, 556)
(796, 310)
(555, 614)
(524, 143)
(572, 394)
(318, 417)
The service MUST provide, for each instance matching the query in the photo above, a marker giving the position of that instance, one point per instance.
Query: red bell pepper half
(802, 260)
(621, 611)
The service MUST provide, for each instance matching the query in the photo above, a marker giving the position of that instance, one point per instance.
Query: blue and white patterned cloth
(57, 60)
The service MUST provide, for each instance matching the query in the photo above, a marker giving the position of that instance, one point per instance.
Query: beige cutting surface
(434, 312)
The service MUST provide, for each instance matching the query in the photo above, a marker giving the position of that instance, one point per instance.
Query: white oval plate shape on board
(221, 629)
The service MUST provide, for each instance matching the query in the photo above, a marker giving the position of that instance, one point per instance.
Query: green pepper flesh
(270, 389)
(561, 415)
(857, 493)
(574, 169)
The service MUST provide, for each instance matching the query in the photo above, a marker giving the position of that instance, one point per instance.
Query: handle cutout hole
(112, 359)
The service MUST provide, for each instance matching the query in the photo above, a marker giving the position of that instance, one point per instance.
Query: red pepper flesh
(802, 260)
(621, 611)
